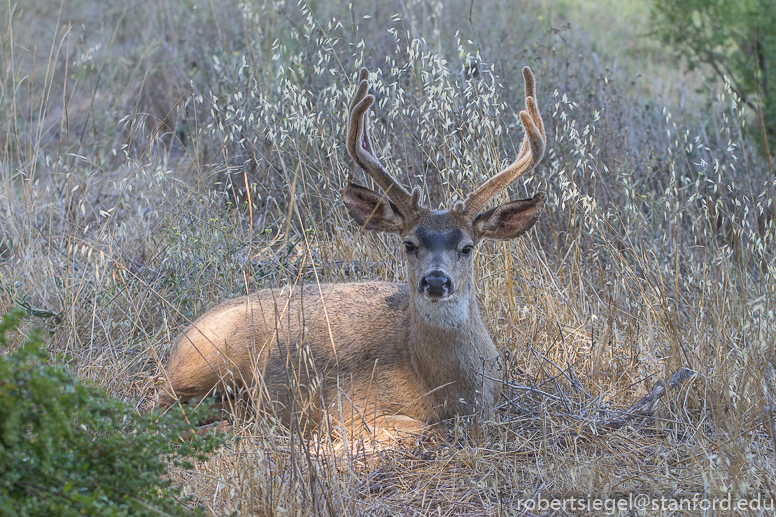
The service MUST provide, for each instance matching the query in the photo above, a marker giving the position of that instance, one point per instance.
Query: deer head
(439, 243)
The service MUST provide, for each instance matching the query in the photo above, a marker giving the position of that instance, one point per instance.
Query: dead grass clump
(169, 157)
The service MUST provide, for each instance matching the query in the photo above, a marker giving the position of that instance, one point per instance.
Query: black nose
(436, 284)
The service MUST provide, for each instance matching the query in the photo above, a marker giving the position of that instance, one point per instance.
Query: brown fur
(254, 341)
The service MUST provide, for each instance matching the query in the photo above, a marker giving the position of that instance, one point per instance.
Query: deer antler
(360, 147)
(530, 152)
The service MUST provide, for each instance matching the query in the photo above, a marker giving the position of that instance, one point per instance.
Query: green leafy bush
(67, 448)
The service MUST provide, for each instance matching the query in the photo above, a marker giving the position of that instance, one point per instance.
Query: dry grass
(130, 133)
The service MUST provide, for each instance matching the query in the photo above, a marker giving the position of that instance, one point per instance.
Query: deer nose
(436, 284)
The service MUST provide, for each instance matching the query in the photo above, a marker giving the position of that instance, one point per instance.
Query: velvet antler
(530, 152)
(360, 147)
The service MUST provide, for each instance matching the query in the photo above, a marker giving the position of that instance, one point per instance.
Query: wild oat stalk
(168, 158)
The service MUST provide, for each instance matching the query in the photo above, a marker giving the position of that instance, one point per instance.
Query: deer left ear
(509, 220)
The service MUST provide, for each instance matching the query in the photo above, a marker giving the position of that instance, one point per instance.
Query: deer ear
(371, 210)
(509, 220)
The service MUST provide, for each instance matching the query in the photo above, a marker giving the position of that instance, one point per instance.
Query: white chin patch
(447, 312)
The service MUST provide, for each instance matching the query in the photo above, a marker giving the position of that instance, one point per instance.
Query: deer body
(386, 368)
(376, 349)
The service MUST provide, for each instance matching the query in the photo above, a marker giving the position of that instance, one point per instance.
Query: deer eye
(467, 249)
(410, 248)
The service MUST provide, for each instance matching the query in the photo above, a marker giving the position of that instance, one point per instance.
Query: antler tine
(530, 92)
(360, 147)
(531, 152)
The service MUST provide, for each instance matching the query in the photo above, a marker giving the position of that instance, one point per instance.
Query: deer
(385, 354)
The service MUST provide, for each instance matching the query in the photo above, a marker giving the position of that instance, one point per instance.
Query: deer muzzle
(436, 284)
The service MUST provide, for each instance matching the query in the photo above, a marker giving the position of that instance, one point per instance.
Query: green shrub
(67, 448)
(736, 38)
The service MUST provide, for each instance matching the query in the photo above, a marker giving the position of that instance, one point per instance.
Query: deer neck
(448, 343)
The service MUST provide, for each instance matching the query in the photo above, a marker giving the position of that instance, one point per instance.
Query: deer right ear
(371, 210)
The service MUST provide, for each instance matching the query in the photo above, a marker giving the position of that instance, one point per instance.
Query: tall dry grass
(159, 158)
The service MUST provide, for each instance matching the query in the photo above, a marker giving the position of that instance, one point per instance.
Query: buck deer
(407, 354)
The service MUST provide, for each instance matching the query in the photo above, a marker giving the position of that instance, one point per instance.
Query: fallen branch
(641, 409)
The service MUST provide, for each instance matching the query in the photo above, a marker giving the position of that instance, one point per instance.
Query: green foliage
(737, 38)
(67, 448)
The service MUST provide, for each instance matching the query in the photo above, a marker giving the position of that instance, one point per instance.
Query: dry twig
(642, 408)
